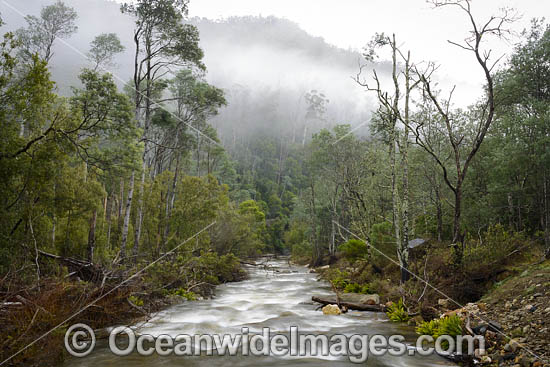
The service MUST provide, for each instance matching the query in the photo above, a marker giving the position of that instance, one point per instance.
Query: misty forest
(150, 159)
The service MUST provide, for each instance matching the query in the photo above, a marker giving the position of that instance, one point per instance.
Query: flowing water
(277, 297)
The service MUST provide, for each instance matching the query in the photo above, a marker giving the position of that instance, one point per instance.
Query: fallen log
(331, 300)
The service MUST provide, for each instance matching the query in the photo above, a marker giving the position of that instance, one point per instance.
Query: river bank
(35, 317)
(512, 315)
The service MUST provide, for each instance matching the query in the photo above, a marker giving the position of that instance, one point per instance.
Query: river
(278, 297)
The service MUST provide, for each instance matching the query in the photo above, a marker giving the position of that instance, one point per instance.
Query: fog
(264, 64)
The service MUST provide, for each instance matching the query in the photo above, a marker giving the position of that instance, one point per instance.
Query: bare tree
(395, 108)
(464, 147)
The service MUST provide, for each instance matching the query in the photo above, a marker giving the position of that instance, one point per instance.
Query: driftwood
(331, 300)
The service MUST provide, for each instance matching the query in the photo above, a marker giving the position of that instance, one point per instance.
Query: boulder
(351, 297)
(331, 310)
(370, 299)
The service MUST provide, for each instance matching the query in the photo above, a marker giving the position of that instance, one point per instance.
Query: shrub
(136, 301)
(357, 288)
(354, 249)
(180, 292)
(338, 278)
(397, 312)
(493, 252)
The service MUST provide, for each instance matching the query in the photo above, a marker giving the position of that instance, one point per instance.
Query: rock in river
(331, 310)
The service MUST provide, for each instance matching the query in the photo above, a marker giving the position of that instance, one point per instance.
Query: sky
(418, 28)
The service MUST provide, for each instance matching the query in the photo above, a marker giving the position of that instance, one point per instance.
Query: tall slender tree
(163, 44)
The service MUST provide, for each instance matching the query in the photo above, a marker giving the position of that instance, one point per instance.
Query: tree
(103, 49)
(395, 108)
(521, 153)
(56, 21)
(162, 43)
(316, 109)
(464, 147)
(196, 101)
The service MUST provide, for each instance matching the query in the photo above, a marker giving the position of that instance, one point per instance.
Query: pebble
(530, 308)
(486, 360)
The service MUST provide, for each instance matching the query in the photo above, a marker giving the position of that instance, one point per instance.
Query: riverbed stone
(331, 310)
(370, 299)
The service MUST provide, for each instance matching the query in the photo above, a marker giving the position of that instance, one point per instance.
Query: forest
(171, 184)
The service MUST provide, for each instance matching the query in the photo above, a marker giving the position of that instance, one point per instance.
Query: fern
(397, 312)
(450, 325)
(428, 327)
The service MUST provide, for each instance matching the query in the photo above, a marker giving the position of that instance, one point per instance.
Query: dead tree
(463, 147)
(394, 108)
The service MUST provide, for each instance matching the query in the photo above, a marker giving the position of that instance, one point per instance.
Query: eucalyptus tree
(316, 108)
(103, 49)
(394, 108)
(194, 101)
(55, 21)
(107, 134)
(163, 44)
(464, 132)
(522, 148)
